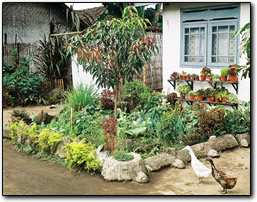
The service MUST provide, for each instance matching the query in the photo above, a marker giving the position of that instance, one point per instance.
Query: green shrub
(20, 115)
(81, 155)
(48, 140)
(80, 97)
(122, 156)
(20, 132)
(237, 121)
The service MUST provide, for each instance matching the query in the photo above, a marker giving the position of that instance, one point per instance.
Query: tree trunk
(116, 97)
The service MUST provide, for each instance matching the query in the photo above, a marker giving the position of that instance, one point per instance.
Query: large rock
(158, 161)
(44, 117)
(183, 155)
(213, 153)
(101, 155)
(6, 133)
(124, 170)
(59, 151)
(225, 142)
(243, 139)
(178, 164)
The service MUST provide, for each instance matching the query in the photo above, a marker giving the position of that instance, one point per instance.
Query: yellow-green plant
(48, 140)
(21, 131)
(81, 155)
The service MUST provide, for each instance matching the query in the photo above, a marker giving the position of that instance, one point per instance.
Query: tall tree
(114, 50)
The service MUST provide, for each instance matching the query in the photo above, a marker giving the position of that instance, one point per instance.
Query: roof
(89, 16)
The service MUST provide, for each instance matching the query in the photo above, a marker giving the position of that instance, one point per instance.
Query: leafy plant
(48, 140)
(205, 71)
(174, 76)
(200, 91)
(192, 93)
(122, 156)
(244, 48)
(107, 99)
(110, 129)
(183, 73)
(81, 155)
(114, 50)
(233, 70)
(216, 77)
(224, 71)
(81, 96)
(20, 115)
(184, 90)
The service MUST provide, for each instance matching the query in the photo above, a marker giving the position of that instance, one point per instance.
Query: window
(207, 36)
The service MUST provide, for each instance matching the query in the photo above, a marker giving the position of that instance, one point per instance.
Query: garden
(127, 117)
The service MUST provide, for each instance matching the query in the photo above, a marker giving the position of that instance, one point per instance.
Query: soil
(25, 175)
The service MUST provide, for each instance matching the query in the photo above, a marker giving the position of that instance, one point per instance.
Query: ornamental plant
(114, 50)
(233, 70)
(184, 90)
(192, 93)
(107, 99)
(110, 128)
(174, 76)
(224, 71)
(206, 71)
(200, 91)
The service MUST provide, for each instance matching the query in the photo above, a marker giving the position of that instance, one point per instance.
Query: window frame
(209, 15)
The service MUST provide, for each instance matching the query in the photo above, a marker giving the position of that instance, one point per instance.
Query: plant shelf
(191, 83)
(188, 101)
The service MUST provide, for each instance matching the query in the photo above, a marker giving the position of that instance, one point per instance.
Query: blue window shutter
(222, 16)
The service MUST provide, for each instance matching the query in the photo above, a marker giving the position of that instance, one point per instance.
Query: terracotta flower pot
(216, 99)
(211, 99)
(208, 78)
(203, 77)
(233, 78)
(224, 100)
(197, 78)
(188, 78)
(183, 77)
(200, 97)
(182, 96)
(192, 97)
(223, 78)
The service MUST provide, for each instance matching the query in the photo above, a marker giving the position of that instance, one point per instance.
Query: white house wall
(171, 47)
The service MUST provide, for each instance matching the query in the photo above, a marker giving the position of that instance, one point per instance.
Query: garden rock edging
(124, 170)
(158, 161)
(243, 139)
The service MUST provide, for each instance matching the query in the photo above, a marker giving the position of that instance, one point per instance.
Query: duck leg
(224, 191)
(199, 180)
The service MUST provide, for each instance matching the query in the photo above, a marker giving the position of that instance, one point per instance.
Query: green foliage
(20, 132)
(48, 140)
(81, 97)
(184, 89)
(238, 121)
(169, 128)
(114, 50)
(22, 84)
(81, 155)
(244, 48)
(122, 156)
(224, 71)
(205, 71)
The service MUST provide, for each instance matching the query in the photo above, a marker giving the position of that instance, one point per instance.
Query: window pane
(194, 30)
(214, 29)
(186, 30)
(222, 59)
(202, 30)
(232, 28)
(186, 44)
(223, 44)
(213, 59)
(223, 28)
(231, 45)
(186, 59)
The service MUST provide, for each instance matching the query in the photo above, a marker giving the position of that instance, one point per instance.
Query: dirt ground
(25, 175)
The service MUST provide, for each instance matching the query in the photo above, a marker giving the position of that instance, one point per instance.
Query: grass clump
(122, 156)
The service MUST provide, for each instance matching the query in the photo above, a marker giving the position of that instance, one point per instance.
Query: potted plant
(209, 93)
(223, 96)
(232, 98)
(233, 72)
(195, 77)
(205, 71)
(200, 93)
(188, 77)
(209, 76)
(174, 76)
(215, 77)
(183, 75)
(183, 90)
(224, 74)
(192, 95)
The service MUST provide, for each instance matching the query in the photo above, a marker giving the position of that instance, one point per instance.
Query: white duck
(200, 170)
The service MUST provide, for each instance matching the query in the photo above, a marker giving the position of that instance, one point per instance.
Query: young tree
(114, 50)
